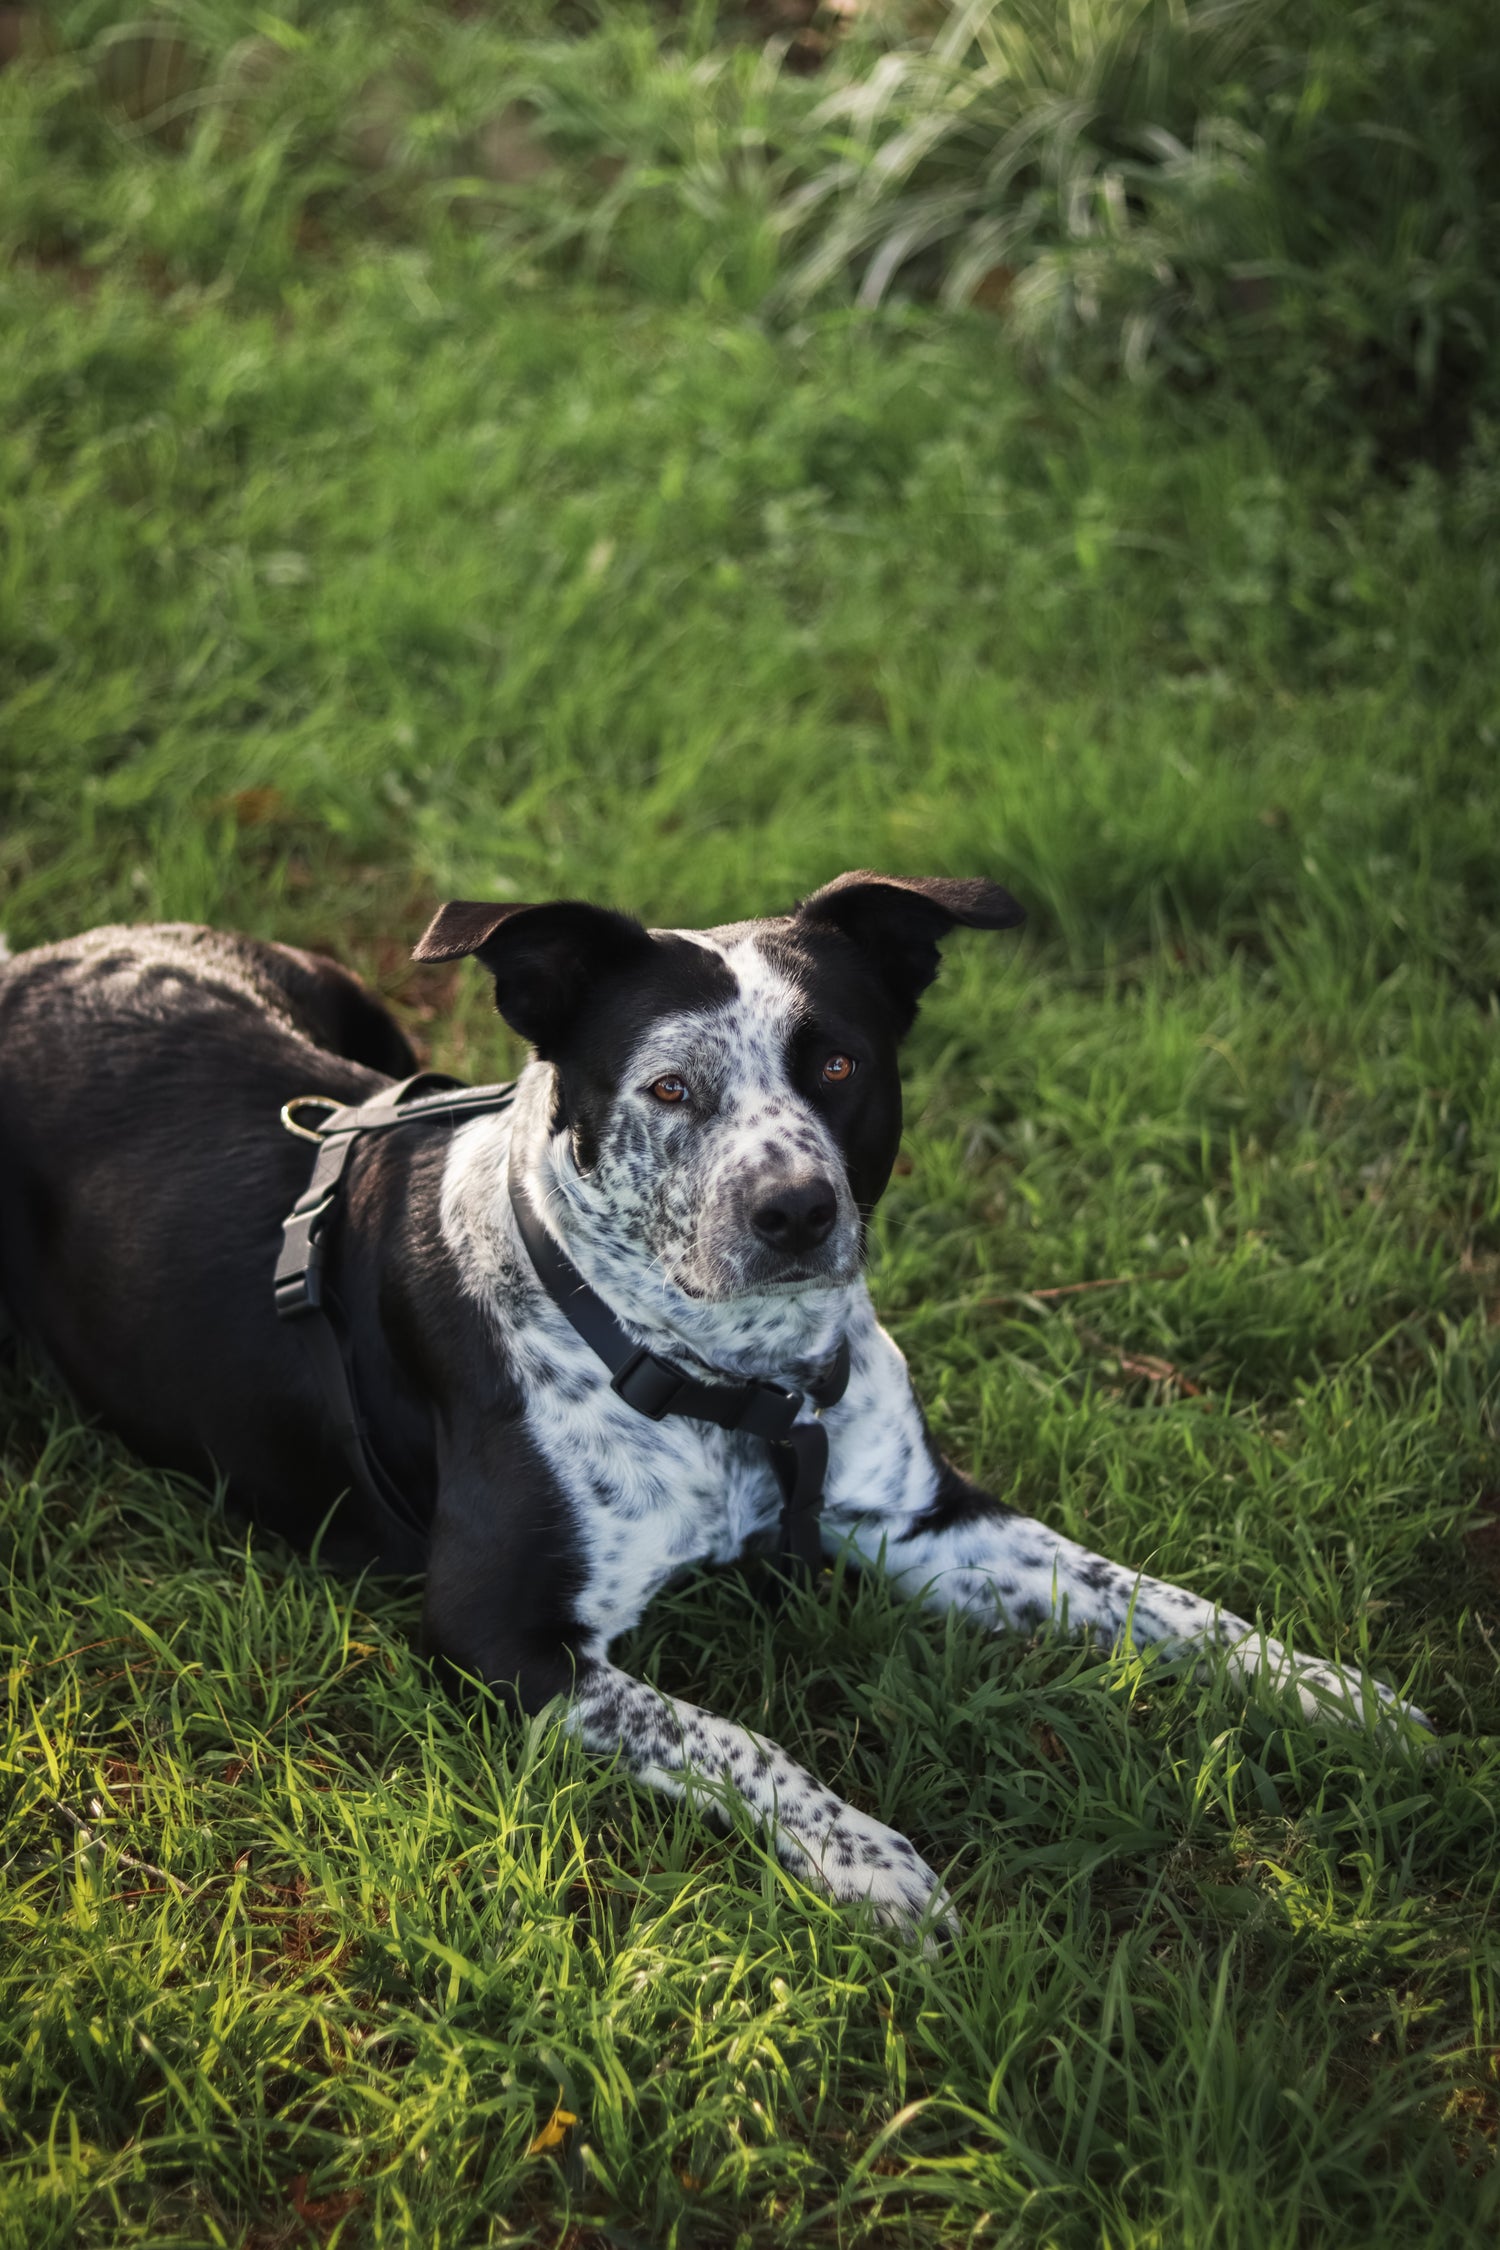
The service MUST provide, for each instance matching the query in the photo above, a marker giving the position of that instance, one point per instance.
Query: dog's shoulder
(167, 981)
(149, 970)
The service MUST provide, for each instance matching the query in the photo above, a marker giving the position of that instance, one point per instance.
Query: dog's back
(142, 1163)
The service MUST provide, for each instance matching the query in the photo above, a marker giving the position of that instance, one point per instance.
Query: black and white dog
(708, 1120)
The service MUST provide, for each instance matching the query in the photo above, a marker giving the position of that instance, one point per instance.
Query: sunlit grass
(420, 578)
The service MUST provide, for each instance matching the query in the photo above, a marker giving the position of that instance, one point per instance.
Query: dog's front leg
(901, 1508)
(500, 1608)
(676, 1747)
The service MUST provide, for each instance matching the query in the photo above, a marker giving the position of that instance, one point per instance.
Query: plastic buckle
(299, 1293)
(770, 1412)
(299, 1267)
(647, 1384)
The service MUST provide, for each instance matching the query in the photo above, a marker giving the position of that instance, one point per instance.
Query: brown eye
(669, 1090)
(837, 1069)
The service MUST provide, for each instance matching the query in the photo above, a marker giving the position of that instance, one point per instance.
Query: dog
(706, 1124)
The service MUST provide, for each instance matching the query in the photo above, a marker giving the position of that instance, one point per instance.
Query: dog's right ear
(544, 959)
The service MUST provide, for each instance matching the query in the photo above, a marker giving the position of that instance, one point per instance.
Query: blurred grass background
(674, 454)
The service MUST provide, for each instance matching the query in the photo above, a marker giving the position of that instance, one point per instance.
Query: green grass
(394, 570)
(1298, 199)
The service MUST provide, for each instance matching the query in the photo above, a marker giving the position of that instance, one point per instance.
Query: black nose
(796, 1217)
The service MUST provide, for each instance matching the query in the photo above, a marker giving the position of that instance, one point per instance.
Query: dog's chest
(646, 1499)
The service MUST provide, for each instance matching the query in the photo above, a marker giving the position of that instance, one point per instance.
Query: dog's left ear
(898, 922)
(545, 959)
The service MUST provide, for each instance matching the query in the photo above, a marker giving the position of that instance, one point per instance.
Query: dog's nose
(797, 1216)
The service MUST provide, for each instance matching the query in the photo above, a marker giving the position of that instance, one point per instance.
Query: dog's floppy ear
(544, 959)
(898, 921)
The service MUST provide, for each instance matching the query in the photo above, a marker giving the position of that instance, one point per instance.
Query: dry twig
(1077, 1288)
(1144, 1364)
(89, 1840)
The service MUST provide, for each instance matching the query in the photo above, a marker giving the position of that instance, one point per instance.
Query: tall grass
(1318, 184)
(1303, 198)
(1009, 155)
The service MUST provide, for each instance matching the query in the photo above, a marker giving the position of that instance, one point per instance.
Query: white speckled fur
(650, 1499)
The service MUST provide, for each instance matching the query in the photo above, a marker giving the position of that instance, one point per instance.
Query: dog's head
(726, 1103)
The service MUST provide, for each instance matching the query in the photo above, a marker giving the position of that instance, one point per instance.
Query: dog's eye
(837, 1069)
(669, 1090)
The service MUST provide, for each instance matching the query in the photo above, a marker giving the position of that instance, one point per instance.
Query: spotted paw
(1331, 1695)
(861, 1863)
(1335, 1695)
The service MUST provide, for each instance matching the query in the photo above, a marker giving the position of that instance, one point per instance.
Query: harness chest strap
(647, 1383)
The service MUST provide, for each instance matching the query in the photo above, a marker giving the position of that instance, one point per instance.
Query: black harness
(646, 1382)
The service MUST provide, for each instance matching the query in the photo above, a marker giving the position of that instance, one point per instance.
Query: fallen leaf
(253, 808)
(555, 2129)
(322, 2212)
(1158, 1371)
(994, 288)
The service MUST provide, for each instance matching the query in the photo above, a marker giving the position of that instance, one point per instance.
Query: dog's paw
(862, 1863)
(1331, 1695)
(1335, 1695)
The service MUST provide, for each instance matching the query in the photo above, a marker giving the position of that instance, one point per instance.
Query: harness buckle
(300, 1293)
(299, 1265)
(770, 1412)
(647, 1385)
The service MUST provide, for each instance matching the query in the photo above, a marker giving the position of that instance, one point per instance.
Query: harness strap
(299, 1287)
(654, 1387)
(647, 1383)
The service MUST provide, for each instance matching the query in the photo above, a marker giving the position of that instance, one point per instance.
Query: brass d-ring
(307, 1101)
